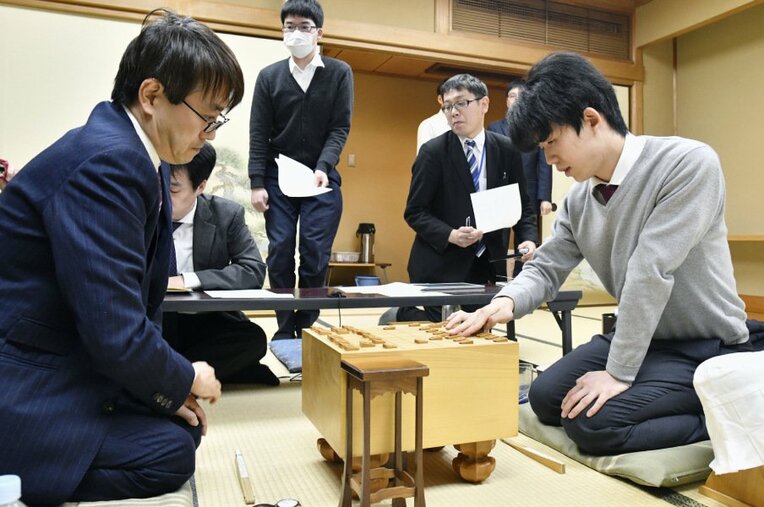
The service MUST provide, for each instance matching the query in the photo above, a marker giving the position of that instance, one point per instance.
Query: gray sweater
(659, 247)
(310, 127)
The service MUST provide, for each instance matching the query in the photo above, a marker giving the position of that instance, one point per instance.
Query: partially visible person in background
(435, 125)
(301, 109)
(6, 173)
(449, 246)
(214, 250)
(538, 173)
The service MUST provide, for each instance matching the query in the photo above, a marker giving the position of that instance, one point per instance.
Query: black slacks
(659, 410)
(228, 341)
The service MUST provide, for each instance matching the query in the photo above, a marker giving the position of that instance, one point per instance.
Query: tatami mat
(279, 444)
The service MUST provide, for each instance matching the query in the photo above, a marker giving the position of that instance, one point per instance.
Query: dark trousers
(144, 454)
(228, 341)
(319, 218)
(659, 410)
(481, 272)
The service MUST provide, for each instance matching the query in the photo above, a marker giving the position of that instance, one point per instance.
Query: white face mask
(299, 44)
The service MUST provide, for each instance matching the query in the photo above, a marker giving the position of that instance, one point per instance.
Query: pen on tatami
(246, 485)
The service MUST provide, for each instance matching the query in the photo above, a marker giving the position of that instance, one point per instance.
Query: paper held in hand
(296, 179)
(496, 208)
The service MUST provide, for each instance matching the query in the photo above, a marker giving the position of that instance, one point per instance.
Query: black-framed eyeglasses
(286, 502)
(212, 125)
(459, 105)
(304, 28)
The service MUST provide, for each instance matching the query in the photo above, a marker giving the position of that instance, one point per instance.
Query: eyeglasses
(459, 105)
(306, 28)
(286, 502)
(212, 125)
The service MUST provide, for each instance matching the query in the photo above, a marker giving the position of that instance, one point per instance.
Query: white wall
(57, 67)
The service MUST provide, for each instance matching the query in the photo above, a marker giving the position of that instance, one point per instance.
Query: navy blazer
(538, 174)
(84, 256)
(439, 201)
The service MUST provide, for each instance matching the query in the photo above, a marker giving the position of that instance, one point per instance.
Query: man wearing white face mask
(301, 108)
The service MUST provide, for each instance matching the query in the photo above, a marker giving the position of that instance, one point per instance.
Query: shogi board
(470, 395)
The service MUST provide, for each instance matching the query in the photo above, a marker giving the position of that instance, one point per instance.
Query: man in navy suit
(96, 405)
(214, 250)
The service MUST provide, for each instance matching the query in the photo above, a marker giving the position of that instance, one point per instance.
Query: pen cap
(10, 489)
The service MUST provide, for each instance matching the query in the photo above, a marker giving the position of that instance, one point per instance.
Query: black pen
(515, 255)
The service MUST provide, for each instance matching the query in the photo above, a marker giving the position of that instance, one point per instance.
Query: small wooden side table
(373, 376)
(356, 268)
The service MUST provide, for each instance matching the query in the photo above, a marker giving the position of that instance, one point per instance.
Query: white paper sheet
(496, 208)
(296, 179)
(246, 294)
(391, 290)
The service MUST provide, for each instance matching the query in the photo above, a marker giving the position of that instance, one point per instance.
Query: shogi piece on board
(470, 396)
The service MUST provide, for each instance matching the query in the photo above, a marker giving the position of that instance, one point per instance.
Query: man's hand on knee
(193, 413)
(594, 386)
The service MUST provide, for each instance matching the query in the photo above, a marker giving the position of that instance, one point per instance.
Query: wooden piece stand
(472, 393)
(372, 377)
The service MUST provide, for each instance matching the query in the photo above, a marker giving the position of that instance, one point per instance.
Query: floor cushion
(658, 468)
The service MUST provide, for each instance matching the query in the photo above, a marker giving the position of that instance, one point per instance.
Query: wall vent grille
(545, 22)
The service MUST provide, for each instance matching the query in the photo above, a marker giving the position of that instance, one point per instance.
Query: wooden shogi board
(471, 394)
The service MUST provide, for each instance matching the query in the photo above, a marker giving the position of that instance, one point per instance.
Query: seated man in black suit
(214, 250)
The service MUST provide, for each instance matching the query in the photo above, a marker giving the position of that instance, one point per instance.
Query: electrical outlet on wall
(351, 159)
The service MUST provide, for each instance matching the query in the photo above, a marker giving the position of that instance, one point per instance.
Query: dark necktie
(606, 191)
(173, 260)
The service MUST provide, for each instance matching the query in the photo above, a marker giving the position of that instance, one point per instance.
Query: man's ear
(148, 92)
(201, 187)
(485, 103)
(592, 117)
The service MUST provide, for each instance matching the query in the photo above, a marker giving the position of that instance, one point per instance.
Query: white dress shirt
(145, 140)
(632, 149)
(183, 238)
(305, 76)
(431, 127)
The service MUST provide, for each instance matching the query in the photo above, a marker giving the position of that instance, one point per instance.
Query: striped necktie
(469, 151)
(469, 146)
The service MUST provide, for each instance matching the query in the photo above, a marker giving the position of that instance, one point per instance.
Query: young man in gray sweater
(647, 213)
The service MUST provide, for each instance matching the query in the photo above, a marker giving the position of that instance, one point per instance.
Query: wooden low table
(472, 391)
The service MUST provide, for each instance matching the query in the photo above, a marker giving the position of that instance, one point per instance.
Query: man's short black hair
(515, 83)
(200, 167)
(559, 88)
(466, 82)
(309, 9)
(182, 54)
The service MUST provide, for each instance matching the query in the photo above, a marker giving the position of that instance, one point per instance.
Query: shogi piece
(472, 393)
(372, 377)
